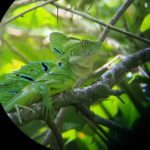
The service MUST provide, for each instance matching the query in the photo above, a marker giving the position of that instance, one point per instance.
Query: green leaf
(145, 24)
(110, 103)
(128, 111)
(70, 135)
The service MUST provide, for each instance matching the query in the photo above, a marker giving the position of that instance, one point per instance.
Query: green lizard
(39, 80)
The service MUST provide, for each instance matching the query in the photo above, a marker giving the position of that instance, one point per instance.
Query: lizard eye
(85, 43)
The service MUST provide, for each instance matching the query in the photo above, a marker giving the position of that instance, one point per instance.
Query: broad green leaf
(70, 135)
(145, 24)
(111, 104)
(128, 111)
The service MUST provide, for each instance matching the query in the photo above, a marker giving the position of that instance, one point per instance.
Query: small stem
(95, 127)
(99, 120)
(16, 51)
(115, 18)
(107, 66)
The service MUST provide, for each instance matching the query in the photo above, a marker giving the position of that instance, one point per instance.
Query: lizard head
(63, 45)
(78, 53)
(84, 47)
(81, 56)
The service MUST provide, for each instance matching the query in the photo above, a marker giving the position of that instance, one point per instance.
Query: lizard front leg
(47, 112)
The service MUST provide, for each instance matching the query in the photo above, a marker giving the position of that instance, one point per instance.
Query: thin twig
(25, 12)
(99, 120)
(16, 51)
(100, 132)
(107, 66)
(115, 18)
(94, 129)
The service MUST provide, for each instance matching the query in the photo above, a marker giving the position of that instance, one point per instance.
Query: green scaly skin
(40, 80)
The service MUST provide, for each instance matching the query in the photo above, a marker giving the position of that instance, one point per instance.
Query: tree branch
(58, 121)
(114, 75)
(113, 21)
(92, 93)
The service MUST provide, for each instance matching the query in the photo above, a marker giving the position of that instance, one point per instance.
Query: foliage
(26, 39)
